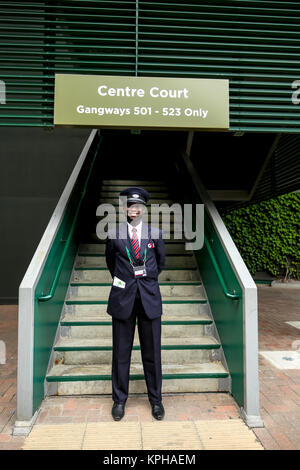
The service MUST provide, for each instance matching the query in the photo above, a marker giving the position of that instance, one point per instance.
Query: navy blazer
(121, 300)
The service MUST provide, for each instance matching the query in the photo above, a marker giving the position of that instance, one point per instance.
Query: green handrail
(45, 298)
(228, 294)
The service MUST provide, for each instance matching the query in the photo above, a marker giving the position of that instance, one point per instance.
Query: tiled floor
(226, 434)
(279, 389)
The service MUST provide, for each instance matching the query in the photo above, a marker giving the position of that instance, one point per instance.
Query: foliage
(267, 234)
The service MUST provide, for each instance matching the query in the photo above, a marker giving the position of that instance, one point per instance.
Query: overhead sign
(141, 102)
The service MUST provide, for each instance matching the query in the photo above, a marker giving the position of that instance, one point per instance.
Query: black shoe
(158, 411)
(118, 411)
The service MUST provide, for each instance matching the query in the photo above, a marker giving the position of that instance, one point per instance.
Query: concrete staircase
(192, 358)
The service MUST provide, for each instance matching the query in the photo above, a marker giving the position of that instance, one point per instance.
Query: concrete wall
(35, 165)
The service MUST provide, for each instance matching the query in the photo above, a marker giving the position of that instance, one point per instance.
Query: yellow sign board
(141, 102)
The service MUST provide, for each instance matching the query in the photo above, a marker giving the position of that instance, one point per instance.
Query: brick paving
(279, 389)
(8, 377)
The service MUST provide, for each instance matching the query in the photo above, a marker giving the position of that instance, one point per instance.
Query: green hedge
(267, 234)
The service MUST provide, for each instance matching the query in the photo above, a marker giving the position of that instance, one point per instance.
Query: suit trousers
(150, 341)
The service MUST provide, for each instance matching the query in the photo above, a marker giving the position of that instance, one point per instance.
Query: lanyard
(128, 254)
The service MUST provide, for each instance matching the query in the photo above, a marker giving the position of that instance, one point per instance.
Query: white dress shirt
(138, 231)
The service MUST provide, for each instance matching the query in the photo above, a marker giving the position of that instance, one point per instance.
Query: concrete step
(152, 212)
(84, 351)
(168, 235)
(149, 217)
(149, 187)
(169, 309)
(72, 300)
(96, 379)
(116, 201)
(167, 226)
(104, 330)
(189, 289)
(161, 206)
(96, 300)
(172, 238)
(171, 261)
(138, 183)
(96, 317)
(103, 275)
(170, 232)
(99, 248)
(154, 193)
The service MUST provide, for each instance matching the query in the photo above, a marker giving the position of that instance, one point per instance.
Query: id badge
(139, 271)
(118, 283)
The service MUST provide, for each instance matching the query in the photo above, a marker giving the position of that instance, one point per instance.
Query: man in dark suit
(135, 256)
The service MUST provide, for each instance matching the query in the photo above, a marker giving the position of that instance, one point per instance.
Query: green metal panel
(47, 314)
(40, 38)
(227, 313)
(281, 175)
(253, 43)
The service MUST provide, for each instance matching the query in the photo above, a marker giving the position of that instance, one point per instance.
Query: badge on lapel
(151, 245)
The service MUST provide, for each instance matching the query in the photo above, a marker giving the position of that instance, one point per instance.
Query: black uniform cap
(134, 194)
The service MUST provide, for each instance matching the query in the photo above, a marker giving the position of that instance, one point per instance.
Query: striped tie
(135, 243)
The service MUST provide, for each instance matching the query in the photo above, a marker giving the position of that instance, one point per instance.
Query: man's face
(134, 210)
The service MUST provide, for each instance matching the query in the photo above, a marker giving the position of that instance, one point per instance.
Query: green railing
(226, 307)
(227, 294)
